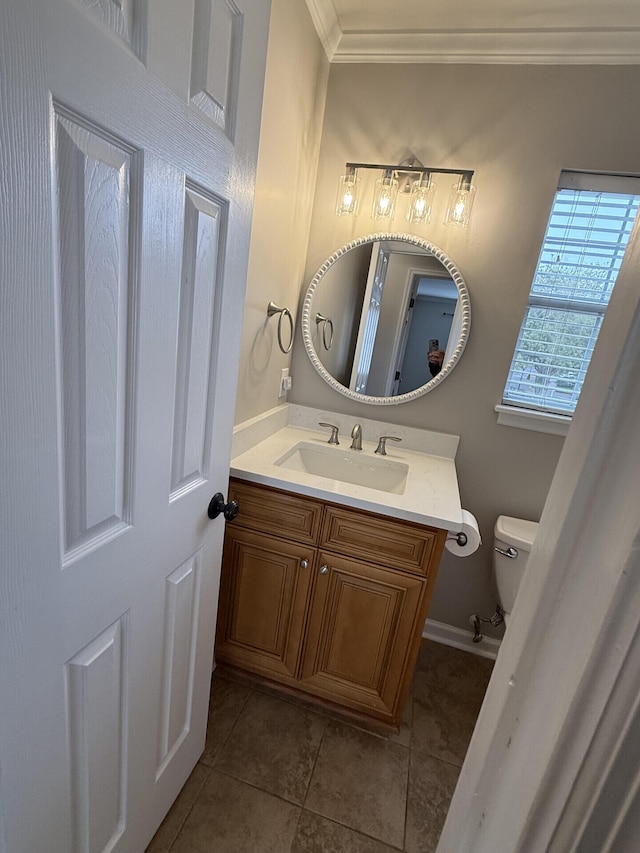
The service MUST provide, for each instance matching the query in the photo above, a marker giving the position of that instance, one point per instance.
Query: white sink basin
(346, 466)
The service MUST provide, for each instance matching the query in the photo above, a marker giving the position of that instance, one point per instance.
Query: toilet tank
(514, 533)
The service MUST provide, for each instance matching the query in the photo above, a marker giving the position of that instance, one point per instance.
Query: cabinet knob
(304, 564)
(324, 570)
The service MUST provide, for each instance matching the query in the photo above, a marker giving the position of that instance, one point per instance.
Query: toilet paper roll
(469, 527)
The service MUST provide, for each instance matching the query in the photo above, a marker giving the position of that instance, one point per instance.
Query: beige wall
(517, 127)
(292, 113)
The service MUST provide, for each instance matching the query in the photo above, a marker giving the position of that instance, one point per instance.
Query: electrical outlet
(285, 382)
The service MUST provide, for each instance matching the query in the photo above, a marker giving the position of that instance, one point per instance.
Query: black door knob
(217, 505)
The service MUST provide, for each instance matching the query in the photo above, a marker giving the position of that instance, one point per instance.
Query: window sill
(537, 421)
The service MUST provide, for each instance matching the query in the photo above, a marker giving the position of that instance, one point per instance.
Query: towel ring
(328, 324)
(272, 309)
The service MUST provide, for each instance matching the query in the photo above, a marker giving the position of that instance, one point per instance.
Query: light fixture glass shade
(347, 196)
(422, 193)
(384, 197)
(460, 204)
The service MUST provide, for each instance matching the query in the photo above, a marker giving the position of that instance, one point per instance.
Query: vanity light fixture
(384, 196)
(422, 193)
(409, 177)
(460, 202)
(347, 198)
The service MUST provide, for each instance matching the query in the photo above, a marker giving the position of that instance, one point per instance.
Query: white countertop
(431, 495)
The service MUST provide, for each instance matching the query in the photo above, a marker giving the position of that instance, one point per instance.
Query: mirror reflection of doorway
(408, 297)
(429, 316)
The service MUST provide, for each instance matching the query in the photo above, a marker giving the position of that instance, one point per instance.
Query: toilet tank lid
(516, 531)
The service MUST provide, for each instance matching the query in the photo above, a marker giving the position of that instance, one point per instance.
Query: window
(587, 234)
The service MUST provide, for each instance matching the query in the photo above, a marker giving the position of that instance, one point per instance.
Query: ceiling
(579, 32)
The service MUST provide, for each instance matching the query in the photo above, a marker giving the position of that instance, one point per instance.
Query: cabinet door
(360, 637)
(264, 595)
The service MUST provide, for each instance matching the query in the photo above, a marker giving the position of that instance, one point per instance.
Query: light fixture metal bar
(466, 173)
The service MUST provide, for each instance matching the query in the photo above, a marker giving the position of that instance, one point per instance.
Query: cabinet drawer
(380, 540)
(276, 513)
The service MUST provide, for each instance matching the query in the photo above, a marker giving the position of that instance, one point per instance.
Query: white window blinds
(581, 255)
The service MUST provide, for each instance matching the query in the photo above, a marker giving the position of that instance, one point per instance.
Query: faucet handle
(382, 443)
(334, 432)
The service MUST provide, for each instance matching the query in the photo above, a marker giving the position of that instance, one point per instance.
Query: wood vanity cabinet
(325, 599)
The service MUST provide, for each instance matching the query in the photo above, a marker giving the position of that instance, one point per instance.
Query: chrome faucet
(356, 435)
(334, 432)
(382, 444)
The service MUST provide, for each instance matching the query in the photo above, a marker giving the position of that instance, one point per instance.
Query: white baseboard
(440, 632)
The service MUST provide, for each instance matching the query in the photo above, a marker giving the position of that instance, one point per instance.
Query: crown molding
(327, 25)
(508, 46)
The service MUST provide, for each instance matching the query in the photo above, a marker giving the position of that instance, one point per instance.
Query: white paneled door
(128, 139)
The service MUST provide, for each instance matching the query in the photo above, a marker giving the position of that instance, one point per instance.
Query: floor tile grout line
(295, 834)
(410, 724)
(190, 809)
(315, 762)
(406, 800)
(352, 829)
(253, 785)
(230, 732)
(435, 757)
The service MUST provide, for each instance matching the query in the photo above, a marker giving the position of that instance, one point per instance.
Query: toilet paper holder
(466, 539)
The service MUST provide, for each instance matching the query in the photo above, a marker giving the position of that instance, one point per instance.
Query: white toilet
(513, 538)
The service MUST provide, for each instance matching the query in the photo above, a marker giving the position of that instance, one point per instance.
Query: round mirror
(386, 318)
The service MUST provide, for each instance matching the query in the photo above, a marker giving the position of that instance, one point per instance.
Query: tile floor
(277, 776)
